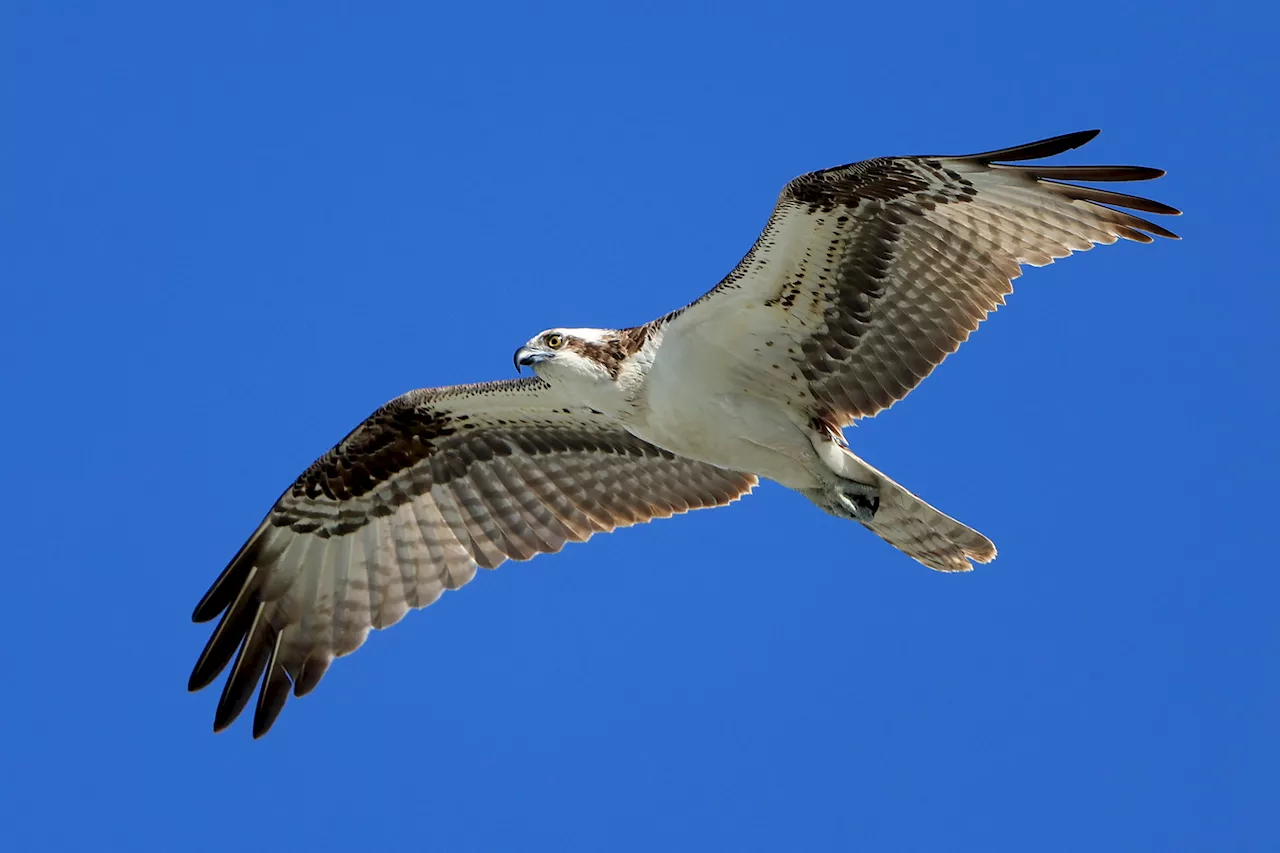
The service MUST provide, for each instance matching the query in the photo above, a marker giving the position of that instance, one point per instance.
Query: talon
(861, 501)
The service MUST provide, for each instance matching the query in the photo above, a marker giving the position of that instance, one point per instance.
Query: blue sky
(230, 234)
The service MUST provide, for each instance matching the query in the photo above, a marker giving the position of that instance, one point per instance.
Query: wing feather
(430, 487)
(872, 273)
(275, 690)
(406, 550)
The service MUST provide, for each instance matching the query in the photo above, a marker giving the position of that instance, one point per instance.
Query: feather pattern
(868, 275)
(428, 488)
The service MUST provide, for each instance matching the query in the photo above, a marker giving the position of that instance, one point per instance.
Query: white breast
(696, 402)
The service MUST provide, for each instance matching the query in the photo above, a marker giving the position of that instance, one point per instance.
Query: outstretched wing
(868, 275)
(432, 485)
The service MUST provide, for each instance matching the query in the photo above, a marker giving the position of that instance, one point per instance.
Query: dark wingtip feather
(1159, 232)
(309, 676)
(1125, 173)
(1128, 221)
(1099, 196)
(228, 585)
(225, 639)
(1087, 173)
(245, 672)
(1035, 150)
(1136, 236)
(274, 693)
(1054, 177)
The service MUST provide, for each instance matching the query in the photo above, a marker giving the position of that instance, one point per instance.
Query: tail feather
(917, 529)
(925, 534)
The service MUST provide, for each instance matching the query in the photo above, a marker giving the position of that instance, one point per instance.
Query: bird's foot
(859, 500)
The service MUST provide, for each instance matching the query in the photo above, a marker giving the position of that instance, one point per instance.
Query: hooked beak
(526, 357)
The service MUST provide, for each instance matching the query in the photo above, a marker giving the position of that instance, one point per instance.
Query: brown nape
(615, 349)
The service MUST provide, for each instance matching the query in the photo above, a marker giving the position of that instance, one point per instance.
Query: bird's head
(582, 358)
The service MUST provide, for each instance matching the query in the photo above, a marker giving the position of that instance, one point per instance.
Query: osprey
(865, 278)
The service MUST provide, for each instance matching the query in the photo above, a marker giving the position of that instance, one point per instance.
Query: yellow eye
(555, 340)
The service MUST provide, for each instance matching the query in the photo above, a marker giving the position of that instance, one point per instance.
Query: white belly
(693, 410)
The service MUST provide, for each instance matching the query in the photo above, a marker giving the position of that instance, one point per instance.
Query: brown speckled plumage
(886, 266)
(430, 487)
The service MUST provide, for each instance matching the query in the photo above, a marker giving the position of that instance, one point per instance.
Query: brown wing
(430, 487)
(868, 275)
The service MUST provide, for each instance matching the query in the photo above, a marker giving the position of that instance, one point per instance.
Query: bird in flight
(865, 278)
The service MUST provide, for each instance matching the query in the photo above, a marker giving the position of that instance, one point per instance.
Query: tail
(915, 528)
